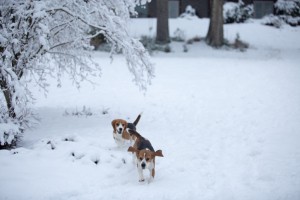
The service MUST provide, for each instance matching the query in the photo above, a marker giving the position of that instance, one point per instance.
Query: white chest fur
(118, 139)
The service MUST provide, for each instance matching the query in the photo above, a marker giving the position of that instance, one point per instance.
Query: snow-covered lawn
(228, 124)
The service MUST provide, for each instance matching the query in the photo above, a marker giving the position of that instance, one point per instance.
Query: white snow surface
(227, 122)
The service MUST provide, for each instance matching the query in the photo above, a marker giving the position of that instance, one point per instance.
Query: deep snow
(228, 124)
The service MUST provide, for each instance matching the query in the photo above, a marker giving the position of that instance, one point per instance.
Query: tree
(162, 26)
(46, 38)
(215, 35)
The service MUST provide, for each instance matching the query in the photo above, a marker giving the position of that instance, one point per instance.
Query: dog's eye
(141, 158)
(147, 159)
(117, 124)
(123, 124)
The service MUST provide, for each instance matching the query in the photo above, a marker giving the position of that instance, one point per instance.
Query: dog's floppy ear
(158, 153)
(132, 149)
(113, 125)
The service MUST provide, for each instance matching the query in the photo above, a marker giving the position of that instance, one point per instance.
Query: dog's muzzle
(120, 131)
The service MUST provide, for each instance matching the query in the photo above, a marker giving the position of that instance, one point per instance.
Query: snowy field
(228, 124)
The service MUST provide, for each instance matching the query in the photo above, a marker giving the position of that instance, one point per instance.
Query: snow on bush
(279, 21)
(9, 130)
(290, 8)
(236, 12)
(79, 113)
(272, 20)
(293, 21)
(285, 12)
(190, 13)
(8, 133)
(179, 35)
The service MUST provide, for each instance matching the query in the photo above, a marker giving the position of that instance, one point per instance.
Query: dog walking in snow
(145, 155)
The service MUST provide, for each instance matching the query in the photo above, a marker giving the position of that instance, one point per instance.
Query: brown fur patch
(126, 135)
(135, 137)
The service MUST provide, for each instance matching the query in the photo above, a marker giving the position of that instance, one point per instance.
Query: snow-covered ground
(228, 124)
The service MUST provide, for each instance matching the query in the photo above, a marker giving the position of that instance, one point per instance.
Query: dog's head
(145, 157)
(119, 125)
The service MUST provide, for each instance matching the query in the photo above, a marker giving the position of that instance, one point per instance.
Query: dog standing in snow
(145, 155)
(120, 130)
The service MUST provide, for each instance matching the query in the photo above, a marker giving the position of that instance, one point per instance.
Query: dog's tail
(137, 119)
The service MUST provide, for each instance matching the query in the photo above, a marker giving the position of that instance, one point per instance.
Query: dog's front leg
(141, 175)
(151, 174)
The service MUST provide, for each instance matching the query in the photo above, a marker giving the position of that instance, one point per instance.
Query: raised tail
(137, 119)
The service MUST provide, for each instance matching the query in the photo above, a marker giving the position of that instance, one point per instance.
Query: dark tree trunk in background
(162, 26)
(215, 35)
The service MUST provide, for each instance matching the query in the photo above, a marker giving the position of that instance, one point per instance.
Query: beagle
(120, 127)
(145, 155)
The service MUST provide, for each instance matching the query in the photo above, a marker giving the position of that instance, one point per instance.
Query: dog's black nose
(120, 130)
(143, 165)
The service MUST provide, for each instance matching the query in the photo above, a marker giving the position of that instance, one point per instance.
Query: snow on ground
(228, 124)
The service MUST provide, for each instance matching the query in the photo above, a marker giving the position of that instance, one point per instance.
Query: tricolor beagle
(145, 155)
(120, 133)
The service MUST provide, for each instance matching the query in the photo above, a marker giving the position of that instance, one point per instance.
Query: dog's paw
(142, 180)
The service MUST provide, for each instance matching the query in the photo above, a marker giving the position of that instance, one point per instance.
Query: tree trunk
(162, 26)
(215, 35)
(7, 92)
(8, 98)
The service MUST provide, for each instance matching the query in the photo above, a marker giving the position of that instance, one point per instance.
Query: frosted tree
(43, 38)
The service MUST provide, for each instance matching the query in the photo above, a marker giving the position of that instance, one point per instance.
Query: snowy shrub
(148, 42)
(40, 39)
(85, 112)
(10, 131)
(151, 46)
(231, 12)
(197, 39)
(237, 12)
(272, 20)
(290, 8)
(194, 39)
(285, 12)
(166, 48)
(178, 35)
(247, 12)
(190, 13)
(9, 134)
(293, 21)
(79, 113)
(278, 21)
(239, 44)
